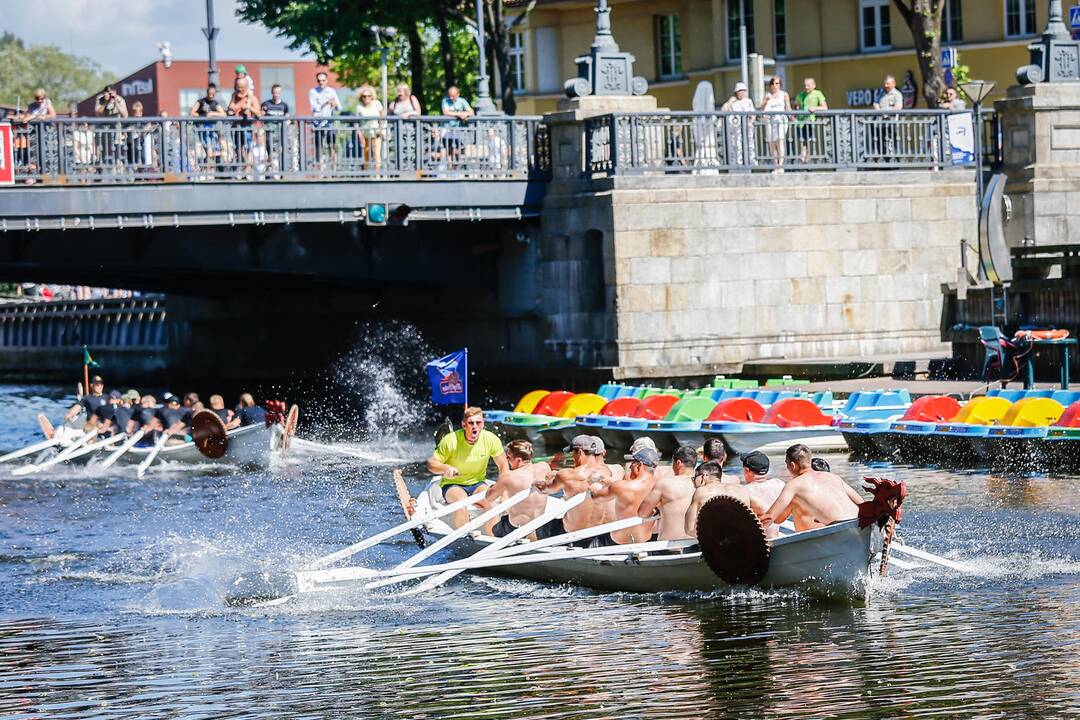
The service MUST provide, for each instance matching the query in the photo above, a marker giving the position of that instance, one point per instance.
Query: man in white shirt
(891, 100)
(324, 103)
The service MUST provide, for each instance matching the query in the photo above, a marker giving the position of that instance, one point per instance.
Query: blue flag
(449, 378)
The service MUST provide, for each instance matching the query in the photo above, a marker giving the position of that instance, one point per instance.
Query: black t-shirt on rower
(91, 403)
(143, 415)
(252, 415)
(169, 416)
(121, 416)
(104, 412)
(222, 413)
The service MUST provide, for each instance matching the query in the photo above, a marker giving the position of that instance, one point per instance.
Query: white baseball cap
(740, 86)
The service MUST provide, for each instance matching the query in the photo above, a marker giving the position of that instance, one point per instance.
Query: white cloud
(122, 35)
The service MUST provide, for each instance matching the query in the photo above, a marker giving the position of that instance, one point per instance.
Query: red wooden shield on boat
(208, 433)
(732, 541)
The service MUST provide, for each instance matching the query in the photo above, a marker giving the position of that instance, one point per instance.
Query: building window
(517, 61)
(188, 98)
(876, 30)
(668, 46)
(270, 75)
(735, 8)
(952, 25)
(1019, 17)
(779, 14)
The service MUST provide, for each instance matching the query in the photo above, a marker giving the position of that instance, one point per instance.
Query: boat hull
(249, 446)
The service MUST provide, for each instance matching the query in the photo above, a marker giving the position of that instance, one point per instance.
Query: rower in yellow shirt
(462, 460)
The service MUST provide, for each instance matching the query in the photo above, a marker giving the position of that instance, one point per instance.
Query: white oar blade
(931, 558)
(128, 444)
(153, 454)
(29, 450)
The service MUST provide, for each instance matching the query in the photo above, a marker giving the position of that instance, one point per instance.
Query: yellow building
(848, 46)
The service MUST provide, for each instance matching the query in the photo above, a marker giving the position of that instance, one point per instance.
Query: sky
(122, 35)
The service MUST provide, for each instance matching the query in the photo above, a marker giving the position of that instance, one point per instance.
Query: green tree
(923, 17)
(66, 78)
(339, 32)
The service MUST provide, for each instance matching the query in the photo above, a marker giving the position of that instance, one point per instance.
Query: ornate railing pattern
(131, 323)
(111, 151)
(703, 143)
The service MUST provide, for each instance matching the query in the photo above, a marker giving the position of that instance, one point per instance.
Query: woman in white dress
(371, 128)
(776, 101)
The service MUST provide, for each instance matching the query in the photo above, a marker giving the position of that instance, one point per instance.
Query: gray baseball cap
(580, 442)
(643, 442)
(597, 446)
(647, 456)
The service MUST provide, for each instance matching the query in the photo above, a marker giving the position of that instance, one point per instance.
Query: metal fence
(114, 151)
(115, 323)
(709, 143)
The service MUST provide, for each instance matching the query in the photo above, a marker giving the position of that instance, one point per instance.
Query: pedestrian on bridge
(324, 103)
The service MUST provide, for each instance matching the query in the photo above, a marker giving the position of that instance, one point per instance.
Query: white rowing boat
(833, 561)
(251, 445)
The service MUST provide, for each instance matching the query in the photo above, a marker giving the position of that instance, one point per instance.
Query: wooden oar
(377, 538)
(153, 454)
(896, 547)
(128, 444)
(359, 573)
(559, 510)
(59, 458)
(309, 581)
(476, 522)
(30, 449)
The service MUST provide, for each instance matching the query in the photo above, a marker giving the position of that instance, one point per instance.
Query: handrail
(730, 141)
(205, 149)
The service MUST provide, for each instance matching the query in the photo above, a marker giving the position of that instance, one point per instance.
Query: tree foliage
(435, 45)
(66, 78)
(923, 17)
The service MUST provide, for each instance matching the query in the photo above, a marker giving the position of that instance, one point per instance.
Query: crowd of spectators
(41, 291)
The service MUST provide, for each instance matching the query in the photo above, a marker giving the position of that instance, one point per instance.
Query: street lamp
(211, 34)
(484, 105)
(977, 91)
(383, 36)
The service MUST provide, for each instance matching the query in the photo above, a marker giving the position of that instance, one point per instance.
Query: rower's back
(572, 482)
(819, 499)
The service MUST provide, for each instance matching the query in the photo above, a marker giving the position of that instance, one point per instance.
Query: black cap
(756, 462)
(169, 398)
(96, 379)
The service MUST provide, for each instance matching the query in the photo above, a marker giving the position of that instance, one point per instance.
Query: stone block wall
(706, 272)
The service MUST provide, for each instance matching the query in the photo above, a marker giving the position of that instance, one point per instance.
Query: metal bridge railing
(113, 151)
(706, 143)
(133, 323)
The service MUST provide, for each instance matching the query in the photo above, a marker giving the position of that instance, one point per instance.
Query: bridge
(559, 242)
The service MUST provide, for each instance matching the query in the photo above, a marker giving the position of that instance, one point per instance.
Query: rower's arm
(853, 494)
(690, 523)
(780, 509)
(438, 467)
(501, 463)
(650, 503)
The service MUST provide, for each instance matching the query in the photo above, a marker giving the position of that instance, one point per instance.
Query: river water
(112, 604)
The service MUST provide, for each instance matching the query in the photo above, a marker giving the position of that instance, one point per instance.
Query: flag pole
(466, 379)
(85, 371)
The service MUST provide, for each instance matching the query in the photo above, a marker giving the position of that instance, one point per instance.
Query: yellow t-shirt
(471, 461)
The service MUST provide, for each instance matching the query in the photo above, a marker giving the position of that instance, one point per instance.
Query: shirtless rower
(640, 444)
(672, 494)
(597, 456)
(710, 483)
(628, 494)
(714, 451)
(522, 473)
(573, 481)
(763, 489)
(815, 498)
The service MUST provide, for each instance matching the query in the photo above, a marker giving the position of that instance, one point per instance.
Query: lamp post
(211, 34)
(977, 91)
(383, 35)
(484, 105)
